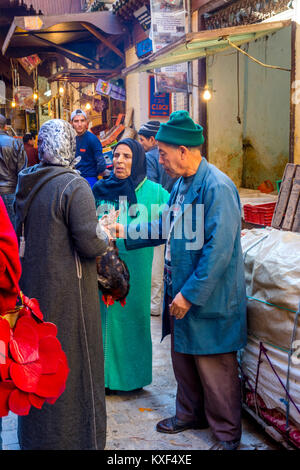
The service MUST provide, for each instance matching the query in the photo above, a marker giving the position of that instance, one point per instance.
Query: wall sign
(143, 48)
(159, 103)
(144, 17)
(33, 23)
(30, 62)
(109, 89)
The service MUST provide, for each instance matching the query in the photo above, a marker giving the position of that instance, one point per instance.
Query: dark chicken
(113, 275)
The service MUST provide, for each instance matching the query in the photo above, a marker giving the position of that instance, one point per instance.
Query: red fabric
(32, 155)
(5, 390)
(19, 403)
(275, 418)
(36, 401)
(10, 265)
(50, 354)
(24, 345)
(33, 366)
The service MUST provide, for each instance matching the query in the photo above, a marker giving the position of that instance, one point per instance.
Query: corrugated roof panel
(196, 45)
(56, 7)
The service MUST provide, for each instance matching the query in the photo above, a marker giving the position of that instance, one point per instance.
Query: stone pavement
(132, 416)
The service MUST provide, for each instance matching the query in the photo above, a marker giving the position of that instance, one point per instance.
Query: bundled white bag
(272, 270)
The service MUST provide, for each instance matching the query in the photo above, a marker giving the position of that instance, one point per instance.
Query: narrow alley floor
(132, 416)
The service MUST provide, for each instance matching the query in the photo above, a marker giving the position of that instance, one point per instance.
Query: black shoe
(174, 425)
(108, 391)
(225, 445)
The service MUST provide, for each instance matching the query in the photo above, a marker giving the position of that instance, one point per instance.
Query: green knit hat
(180, 130)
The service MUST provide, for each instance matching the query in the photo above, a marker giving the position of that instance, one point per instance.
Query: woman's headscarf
(57, 143)
(112, 188)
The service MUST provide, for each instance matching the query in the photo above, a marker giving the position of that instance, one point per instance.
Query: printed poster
(23, 96)
(30, 62)
(168, 25)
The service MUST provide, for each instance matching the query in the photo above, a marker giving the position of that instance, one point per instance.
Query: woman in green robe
(126, 330)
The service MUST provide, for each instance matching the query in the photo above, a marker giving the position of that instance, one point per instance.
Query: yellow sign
(32, 23)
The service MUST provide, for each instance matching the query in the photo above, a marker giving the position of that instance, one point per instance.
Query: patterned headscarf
(57, 143)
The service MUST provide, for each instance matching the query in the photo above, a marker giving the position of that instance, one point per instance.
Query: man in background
(30, 149)
(156, 173)
(88, 147)
(12, 160)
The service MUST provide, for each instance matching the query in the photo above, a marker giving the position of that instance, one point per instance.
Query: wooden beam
(28, 33)
(86, 71)
(67, 51)
(79, 75)
(6, 72)
(8, 37)
(102, 49)
(284, 195)
(207, 5)
(101, 38)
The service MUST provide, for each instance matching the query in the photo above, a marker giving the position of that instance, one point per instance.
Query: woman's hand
(101, 229)
(179, 306)
(107, 221)
(117, 230)
(110, 218)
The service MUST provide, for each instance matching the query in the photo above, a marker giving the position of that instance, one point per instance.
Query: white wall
(257, 149)
(267, 109)
(225, 148)
(137, 93)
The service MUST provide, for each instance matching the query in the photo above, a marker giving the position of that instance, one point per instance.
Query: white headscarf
(57, 143)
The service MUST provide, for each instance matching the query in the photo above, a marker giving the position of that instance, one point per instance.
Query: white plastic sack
(269, 387)
(272, 270)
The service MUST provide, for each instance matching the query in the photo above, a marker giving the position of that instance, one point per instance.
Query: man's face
(80, 124)
(146, 143)
(171, 159)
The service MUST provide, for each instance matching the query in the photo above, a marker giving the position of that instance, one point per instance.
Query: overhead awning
(84, 75)
(65, 33)
(196, 45)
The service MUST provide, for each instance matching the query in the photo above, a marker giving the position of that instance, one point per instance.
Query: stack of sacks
(272, 270)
